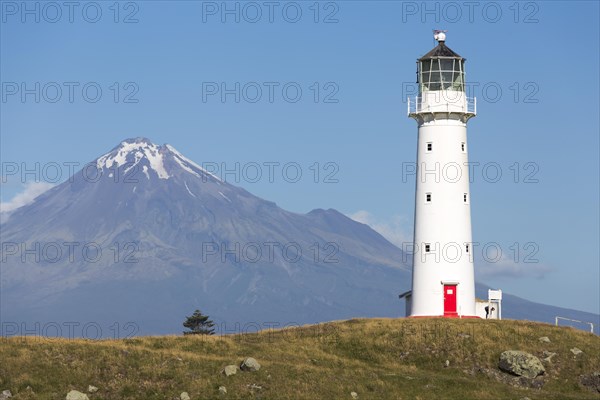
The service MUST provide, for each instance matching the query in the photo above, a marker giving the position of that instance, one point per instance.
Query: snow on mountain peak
(188, 164)
(130, 152)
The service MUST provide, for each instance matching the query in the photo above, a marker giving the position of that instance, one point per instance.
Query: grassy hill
(376, 358)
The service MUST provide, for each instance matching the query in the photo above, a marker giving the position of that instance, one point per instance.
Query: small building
(407, 296)
(490, 308)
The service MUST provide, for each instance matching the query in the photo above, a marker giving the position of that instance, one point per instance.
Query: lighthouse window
(447, 65)
(429, 146)
(442, 74)
(427, 247)
(426, 66)
(465, 198)
(467, 248)
(456, 80)
(447, 78)
(428, 197)
(462, 146)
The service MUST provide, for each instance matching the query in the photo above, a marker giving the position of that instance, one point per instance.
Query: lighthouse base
(446, 316)
(448, 313)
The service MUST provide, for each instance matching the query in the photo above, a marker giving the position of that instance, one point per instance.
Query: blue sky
(533, 67)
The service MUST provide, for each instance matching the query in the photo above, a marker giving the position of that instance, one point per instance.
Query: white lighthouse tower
(443, 281)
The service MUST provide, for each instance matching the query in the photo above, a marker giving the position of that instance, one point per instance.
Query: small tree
(198, 324)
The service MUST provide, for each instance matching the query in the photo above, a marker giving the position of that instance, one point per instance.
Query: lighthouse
(443, 283)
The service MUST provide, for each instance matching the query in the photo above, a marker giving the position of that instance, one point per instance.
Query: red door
(450, 300)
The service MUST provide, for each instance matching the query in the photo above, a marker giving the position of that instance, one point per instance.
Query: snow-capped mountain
(144, 235)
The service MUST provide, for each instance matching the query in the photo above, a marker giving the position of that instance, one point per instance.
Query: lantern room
(441, 79)
(441, 69)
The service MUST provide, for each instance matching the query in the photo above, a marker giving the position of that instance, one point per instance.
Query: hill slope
(377, 359)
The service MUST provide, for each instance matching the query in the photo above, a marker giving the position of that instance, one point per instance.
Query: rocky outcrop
(230, 370)
(250, 364)
(521, 363)
(76, 395)
(591, 381)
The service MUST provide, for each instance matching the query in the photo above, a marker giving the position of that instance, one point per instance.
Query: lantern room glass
(442, 74)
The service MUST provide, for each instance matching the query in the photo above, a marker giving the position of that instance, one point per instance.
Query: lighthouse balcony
(442, 101)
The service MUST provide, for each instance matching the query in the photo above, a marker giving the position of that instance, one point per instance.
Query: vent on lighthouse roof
(441, 50)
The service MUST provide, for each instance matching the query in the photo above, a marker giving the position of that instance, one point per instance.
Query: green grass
(377, 358)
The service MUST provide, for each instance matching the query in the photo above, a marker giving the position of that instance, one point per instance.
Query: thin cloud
(393, 229)
(506, 267)
(31, 190)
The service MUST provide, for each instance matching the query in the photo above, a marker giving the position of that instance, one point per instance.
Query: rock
(250, 364)
(354, 395)
(230, 370)
(222, 390)
(5, 394)
(254, 386)
(520, 363)
(591, 381)
(447, 363)
(184, 396)
(75, 395)
(92, 389)
(525, 398)
(548, 356)
(544, 339)
(576, 351)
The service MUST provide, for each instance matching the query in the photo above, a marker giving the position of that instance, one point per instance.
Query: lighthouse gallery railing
(467, 105)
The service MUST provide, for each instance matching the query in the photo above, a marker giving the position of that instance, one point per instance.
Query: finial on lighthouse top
(439, 35)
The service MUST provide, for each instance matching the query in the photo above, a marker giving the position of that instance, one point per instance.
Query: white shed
(490, 308)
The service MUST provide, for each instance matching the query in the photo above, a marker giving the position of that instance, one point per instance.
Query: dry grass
(377, 358)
